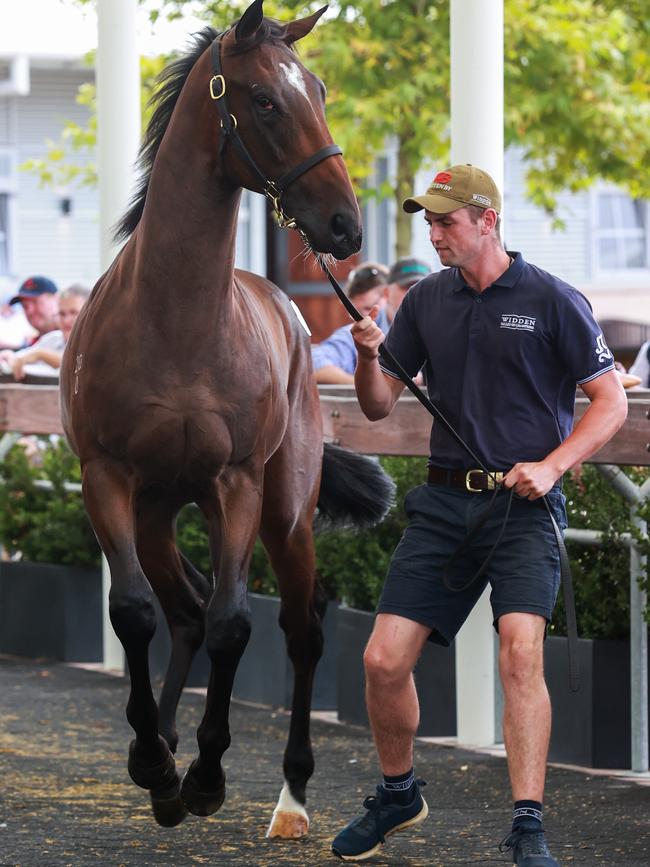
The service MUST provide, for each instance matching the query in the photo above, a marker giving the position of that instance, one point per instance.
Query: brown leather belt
(469, 480)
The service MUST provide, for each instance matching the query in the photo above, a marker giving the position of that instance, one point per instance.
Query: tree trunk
(404, 187)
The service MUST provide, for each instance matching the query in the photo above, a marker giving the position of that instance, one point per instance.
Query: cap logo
(442, 178)
(483, 200)
(29, 284)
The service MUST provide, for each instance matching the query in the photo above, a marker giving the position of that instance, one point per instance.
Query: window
(621, 237)
(7, 187)
(379, 214)
(4, 235)
(251, 233)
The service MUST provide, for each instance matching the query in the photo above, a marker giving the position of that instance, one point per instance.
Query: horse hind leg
(303, 605)
(109, 496)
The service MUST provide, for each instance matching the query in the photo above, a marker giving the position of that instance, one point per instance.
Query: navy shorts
(524, 571)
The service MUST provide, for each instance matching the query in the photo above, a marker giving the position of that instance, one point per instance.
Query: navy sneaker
(365, 835)
(528, 849)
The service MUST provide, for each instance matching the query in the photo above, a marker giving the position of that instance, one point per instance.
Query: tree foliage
(577, 87)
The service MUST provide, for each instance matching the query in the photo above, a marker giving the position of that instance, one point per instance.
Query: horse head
(273, 133)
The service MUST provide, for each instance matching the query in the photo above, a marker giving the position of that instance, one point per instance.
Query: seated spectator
(336, 361)
(335, 358)
(15, 330)
(641, 365)
(39, 299)
(402, 275)
(43, 358)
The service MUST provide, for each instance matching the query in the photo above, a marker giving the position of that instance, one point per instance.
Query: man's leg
(527, 711)
(390, 657)
(527, 731)
(393, 649)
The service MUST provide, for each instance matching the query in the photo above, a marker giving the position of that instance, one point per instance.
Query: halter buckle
(221, 81)
(273, 194)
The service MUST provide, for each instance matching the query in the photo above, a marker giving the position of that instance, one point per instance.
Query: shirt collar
(509, 277)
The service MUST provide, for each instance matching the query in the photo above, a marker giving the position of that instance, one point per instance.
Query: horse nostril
(341, 228)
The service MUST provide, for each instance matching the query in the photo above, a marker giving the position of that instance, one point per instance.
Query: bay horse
(186, 380)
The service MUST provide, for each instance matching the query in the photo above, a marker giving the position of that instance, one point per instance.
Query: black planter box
(435, 678)
(591, 728)
(265, 674)
(52, 611)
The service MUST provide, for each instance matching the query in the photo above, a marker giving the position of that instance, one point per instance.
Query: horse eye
(264, 102)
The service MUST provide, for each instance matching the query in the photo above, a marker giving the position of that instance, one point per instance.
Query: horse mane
(168, 87)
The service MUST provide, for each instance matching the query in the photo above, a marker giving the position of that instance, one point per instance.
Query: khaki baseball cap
(456, 188)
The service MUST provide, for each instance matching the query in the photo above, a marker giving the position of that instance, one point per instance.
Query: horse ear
(295, 30)
(250, 20)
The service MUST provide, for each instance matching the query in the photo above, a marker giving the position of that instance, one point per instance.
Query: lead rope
(565, 567)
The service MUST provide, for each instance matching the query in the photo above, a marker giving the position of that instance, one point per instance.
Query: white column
(476, 44)
(639, 646)
(118, 114)
(113, 653)
(118, 140)
(257, 234)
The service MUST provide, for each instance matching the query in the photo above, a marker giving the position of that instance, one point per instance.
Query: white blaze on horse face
(293, 73)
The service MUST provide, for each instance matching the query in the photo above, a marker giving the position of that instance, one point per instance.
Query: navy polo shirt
(503, 364)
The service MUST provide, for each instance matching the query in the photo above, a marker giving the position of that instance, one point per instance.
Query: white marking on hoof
(290, 819)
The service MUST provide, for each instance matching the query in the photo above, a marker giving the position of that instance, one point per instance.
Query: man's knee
(393, 649)
(382, 667)
(521, 661)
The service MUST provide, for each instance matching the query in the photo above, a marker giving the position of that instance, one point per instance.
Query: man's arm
(330, 374)
(603, 417)
(377, 392)
(335, 358)
(31, 356)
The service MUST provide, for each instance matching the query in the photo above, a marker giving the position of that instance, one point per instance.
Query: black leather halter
(273, 189)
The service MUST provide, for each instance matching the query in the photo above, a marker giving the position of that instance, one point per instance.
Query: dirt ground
(66, 799)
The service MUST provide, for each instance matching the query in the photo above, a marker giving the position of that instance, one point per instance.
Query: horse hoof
(289, 826)
(160, 775)
(290, 819)
(198, 802)
(167, 805)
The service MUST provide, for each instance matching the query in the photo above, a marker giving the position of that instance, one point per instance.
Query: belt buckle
(492, 480)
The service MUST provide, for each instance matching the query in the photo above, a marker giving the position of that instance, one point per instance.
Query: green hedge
(51, 526)
(45, 526)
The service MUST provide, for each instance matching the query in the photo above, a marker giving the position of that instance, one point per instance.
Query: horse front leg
(233, 513)
(303, 606)
(109, 497)
(183, 593)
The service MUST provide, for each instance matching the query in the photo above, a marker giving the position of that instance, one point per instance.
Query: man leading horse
(503, 345)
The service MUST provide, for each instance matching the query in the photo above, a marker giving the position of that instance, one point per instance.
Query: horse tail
(354, 490)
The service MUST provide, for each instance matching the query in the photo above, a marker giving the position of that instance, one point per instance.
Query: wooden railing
(35, 409)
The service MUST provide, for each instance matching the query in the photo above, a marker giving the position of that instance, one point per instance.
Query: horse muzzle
(341, 235)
